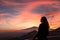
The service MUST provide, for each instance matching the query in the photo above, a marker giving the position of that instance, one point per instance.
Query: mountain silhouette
(16, 34)
(32, 28)
(55, 32)
(29, 33)
(53, 35)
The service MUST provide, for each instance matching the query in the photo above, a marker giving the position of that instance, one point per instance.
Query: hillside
(29, 33)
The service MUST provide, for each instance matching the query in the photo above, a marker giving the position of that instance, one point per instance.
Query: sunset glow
(21, 14)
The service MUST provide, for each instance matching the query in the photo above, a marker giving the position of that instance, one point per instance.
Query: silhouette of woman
(43, 30)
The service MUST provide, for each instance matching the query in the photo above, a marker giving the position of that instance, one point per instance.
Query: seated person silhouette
(43, 30)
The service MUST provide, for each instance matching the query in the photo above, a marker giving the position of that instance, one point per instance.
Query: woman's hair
(44, 20)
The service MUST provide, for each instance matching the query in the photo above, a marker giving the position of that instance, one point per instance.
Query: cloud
(22, 1)
(26, 1)
(9, 11)
(6, 16)
(1, 1)
(45, 9)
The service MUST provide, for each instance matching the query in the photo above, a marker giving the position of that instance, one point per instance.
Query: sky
(21, 14)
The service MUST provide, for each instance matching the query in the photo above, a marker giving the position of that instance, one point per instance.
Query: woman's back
(43, 29)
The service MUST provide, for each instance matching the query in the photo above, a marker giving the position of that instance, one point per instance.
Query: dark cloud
(1, 2)
(26, 1)
(45, 9)
(56, 4)
(21, 6)
(58, 0)
(6, 16)
(10, 10)
(7, 10)
(22, 1)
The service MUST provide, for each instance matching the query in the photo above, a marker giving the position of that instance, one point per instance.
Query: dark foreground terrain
(28, 34)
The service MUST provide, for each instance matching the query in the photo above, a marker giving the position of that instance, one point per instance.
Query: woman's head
(44, 19)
